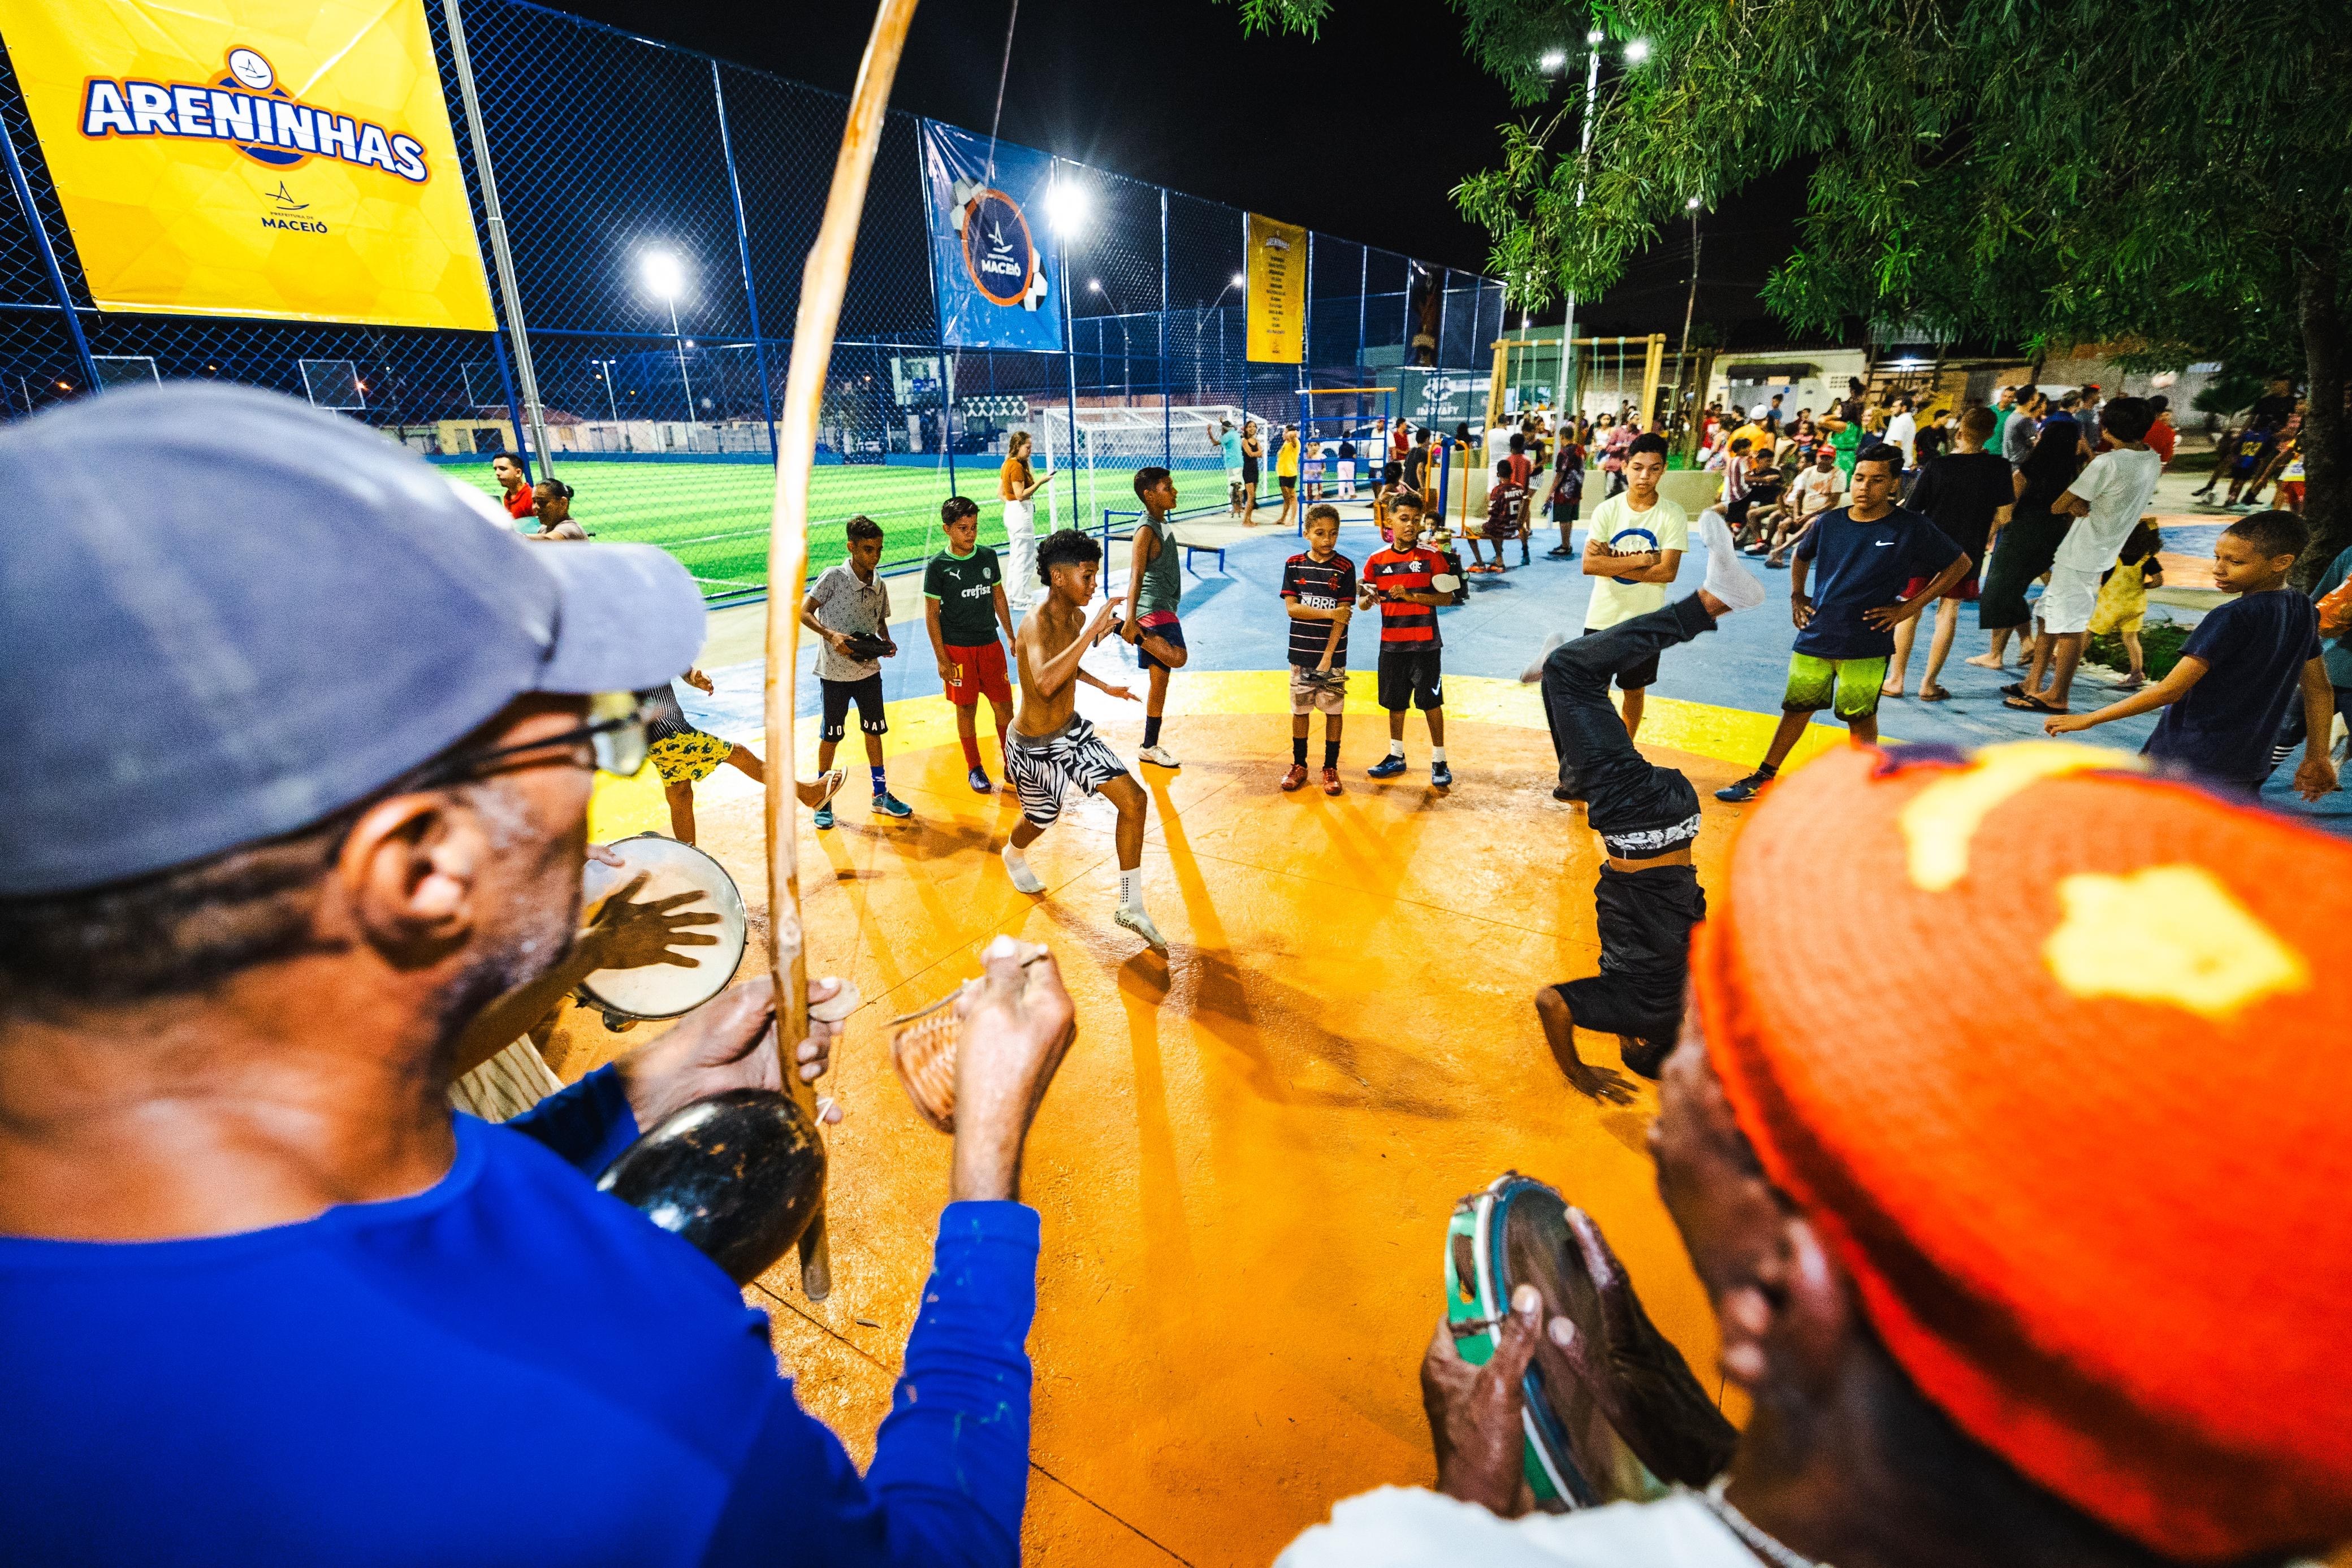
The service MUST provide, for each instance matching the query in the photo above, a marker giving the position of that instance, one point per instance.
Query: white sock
(1739, 587)
(1436, 754)
(1130, 888)
(1396, 748)
(1534, 671)
(1018, 866)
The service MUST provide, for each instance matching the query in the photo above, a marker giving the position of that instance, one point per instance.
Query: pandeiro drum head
(667, 990)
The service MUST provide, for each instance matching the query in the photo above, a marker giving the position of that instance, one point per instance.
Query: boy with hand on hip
(1320, 588)
(2241, 669)
(1397, 579)
(963, 606)
(849, 608)
(1870, 551)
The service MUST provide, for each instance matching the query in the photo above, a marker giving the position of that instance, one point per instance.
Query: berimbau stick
(823, 281)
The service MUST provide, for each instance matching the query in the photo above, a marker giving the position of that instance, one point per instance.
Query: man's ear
(410, 871)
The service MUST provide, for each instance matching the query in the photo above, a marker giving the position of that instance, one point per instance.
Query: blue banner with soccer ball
(991, 248)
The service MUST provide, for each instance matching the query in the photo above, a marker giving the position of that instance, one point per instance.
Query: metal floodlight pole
(57, 274)
(1167, 399)
(1583, 160)
(744, 249)
(677, 340)
(501, 254)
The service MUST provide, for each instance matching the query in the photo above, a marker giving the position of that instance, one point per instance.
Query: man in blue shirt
(1881, 565)
(292, 802)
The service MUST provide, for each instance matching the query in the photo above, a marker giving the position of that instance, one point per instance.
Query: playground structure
(1661, 386)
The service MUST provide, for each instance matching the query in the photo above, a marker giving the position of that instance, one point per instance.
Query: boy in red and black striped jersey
(1397, 579)
(1320, 588)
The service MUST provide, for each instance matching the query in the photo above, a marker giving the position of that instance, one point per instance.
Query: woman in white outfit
(1014, 486)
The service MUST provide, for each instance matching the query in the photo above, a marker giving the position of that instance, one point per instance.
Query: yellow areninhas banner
(1278, 292)
(288, 159)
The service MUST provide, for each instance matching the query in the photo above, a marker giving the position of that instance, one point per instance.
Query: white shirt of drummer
(1407, 1527)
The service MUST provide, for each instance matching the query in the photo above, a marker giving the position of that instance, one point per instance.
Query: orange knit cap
(2058, 1057)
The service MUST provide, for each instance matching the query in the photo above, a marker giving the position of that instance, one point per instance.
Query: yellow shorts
(684, 758)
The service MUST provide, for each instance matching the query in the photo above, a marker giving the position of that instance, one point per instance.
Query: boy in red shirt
(1397, 579)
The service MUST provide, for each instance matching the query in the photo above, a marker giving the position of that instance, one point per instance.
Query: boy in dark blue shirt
(2240, 670)
(1869, 552)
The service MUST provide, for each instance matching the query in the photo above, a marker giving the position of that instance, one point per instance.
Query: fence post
(1070, 354)
(744, 249)
(1307, 338)
(501, 252)
(1167, 396)
(57, 274)
(1363, 283)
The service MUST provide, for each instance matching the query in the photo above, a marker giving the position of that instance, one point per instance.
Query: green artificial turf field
(713, 516)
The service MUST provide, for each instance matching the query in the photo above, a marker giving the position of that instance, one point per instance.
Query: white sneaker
(1139, 923)
(1739, 587)
(1534, 671)
(1024, 879)
(1158, 757)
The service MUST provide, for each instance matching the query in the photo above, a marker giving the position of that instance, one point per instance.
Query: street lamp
(1065, 206)
(1237, 281)
(1637, 51)
(664, 276)
(1552, 61)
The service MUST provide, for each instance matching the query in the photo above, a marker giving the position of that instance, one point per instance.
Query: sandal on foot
(2033, 705)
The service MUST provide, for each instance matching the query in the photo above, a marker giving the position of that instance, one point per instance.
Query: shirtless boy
(1051, 746)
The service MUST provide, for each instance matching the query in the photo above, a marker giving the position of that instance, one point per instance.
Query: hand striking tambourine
(684, 880)
(923, 1049)
(1615, 1414)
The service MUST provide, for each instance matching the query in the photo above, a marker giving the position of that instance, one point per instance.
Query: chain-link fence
(659, 272)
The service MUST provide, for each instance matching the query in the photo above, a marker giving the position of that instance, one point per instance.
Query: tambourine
(1514, 1233)
(665, 991)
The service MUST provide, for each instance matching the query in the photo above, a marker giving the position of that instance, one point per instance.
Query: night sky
(1362, 133)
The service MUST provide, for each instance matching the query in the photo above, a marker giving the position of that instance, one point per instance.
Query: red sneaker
(1295, 777)
(1330, 781)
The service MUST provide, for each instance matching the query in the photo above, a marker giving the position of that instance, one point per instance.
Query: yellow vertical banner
(1278, 292)
(285, 159)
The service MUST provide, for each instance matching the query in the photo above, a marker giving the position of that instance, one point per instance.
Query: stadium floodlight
(1094, 284)
(1239, 281)
(1637, 51)
(1552, 61)
(1065, 204)
(665, 275)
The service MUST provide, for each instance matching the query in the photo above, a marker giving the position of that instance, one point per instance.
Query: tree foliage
(2147, 171)
(2171, 176)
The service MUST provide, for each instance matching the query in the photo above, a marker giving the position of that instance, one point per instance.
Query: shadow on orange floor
(1248, 1163)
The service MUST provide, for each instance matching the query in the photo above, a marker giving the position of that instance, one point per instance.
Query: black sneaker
(1747, 790)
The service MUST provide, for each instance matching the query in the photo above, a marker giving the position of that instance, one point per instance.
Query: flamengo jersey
(1318, 585)
(1405, 626)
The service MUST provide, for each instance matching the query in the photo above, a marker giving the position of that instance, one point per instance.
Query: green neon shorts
(1849, 686)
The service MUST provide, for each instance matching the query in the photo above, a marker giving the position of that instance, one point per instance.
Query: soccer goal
(1111, 443)
(334, 383)
(125, 370)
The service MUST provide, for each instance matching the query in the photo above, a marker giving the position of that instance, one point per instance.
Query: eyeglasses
(616, 734)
